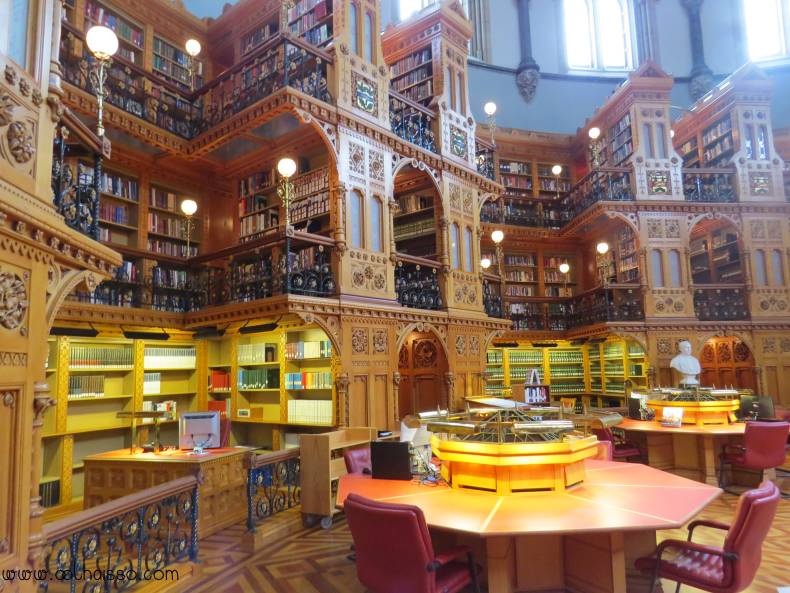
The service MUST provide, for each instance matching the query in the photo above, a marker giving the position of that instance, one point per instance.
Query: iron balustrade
(522, 213)
(484, 158)
(138, 535)
(720, 303)
(417, 284)
(411, 122)
(709, 185)
(492, 297)
(273, 484)
(283, 61)
(603, 184)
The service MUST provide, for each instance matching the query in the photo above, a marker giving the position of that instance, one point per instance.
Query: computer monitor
(199, 430)
(757, 406)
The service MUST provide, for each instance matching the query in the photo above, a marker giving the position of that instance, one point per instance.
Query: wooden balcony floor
(314, 560)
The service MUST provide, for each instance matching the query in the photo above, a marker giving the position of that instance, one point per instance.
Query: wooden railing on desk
(137, 535)
(273, 484)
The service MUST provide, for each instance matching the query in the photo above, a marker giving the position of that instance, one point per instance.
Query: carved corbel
(449, 391)
(396, 379)
(341, 384)
(444, 225)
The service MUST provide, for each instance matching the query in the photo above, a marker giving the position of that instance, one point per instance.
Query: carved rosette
(13, 299)
(359, 340)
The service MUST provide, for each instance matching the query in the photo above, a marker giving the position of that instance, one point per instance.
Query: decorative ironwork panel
(272, 489)
(717, 304)
(709, 187)
(411, 124)
(76, 197)
(417, 288)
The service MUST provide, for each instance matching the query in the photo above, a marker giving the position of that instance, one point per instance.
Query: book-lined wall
(94, 379)
(595, 375)
(414, 223)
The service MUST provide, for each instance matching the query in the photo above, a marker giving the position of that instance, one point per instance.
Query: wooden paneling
(359, 401)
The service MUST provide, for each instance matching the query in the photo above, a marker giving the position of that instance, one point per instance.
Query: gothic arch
(482, 199)
(723, 334)
(694, 220)
(434, 175)
(628, 217)
(330, 325)
(327, 131)
(67, 282)
(642, 341)
(421, 327)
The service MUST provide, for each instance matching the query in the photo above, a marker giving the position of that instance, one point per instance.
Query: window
(674, 268)
(456, 247)
(598, 34)
(759, 260)
(778, 268)
(749, 141)
(657, 266)
(762, 143)
(450, 88)
(353, 28)
(476, 11)
(368, 37)
(459, 92)
(356, 219)
(661, 141)
(468, 249)
(17, 43)
(765, 28)
(375, 225)
(648, 141)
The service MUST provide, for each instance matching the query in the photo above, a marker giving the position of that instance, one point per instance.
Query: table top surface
(615, 497)
(170, 456)
(655, 426)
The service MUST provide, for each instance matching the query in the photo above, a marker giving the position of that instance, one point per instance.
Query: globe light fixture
(557, 169)
(671, 133)
(602, 247)
(595, 146)
(594, 133)
(565, 268)
(490, 109)
(193, 49)
(497, 236)
(103, 44)
(485, 263)
(286, 167)
(188, 207)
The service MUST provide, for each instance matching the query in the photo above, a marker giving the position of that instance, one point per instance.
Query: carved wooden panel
(381, 401)
(358, 401)
(10, 421)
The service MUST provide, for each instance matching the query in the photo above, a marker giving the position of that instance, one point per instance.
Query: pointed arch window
(598, 34)
(778, 268)
(375, 225)
(368, 36)
(468, 249)
(456, 247)
(353, 28)
(762, 275)
(657, 267)
(356, 219)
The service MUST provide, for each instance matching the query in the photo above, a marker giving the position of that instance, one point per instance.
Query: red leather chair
(728, 569)
(605, 449)
(764, 447)
(394, 551)
(784, 415)
(622, 449)
(224, 432)
(357, 460)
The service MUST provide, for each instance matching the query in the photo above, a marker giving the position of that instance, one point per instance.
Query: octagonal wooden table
(584, 539)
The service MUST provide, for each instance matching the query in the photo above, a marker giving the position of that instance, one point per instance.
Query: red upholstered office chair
(357, 460)
(622, 449)
(605, 449)
(394, 551)
(784, 415)
(224, 432)
(720, 570)
(764, 447)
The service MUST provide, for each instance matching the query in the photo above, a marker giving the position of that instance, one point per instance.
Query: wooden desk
(222, 498)
(585, 539)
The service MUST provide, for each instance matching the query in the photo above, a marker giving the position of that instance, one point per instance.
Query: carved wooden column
(528, 70)
(340, 218)
(642, 255)
(701, 75)
(396, 379)
(341, 384)
(393, 208)
(444, 225)
(41, 403)
(746, 254)
(449, 391)
(758, 377)
(690, 278)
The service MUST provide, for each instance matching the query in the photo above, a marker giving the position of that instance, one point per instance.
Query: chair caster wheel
(326, 522)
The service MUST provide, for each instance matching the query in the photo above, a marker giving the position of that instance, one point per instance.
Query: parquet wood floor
(314, 560)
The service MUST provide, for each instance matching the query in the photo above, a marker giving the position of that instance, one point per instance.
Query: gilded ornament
(6, 110)
(24, 88)
(13, 300)
(20, 142)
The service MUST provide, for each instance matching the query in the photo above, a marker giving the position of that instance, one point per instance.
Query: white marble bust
(686, 365)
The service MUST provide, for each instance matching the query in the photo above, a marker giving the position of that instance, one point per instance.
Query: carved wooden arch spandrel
(421, 327)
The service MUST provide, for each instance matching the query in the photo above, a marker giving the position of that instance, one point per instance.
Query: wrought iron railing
(720, 303)
(485, 159)
(281, 61)
(273, 484)
(119, 544)
(417, 283)
(411, 121)
(492, 297)
(522, 213)
(709, 185)
(603, 184)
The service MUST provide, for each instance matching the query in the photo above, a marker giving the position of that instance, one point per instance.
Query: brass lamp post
(557, 169)
(497, 237)
(193, 49)
(103, 44)
(564, 269)
(287, 167)
(595, 145)
(188, 207)
(490, 109)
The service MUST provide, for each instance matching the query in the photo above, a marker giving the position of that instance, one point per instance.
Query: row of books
(311, 183)
(119, 186)
(627, 248)
(553, 184)
(414, 203)
(536, 395)
(152, 383)
(688, 146)
(515, 167)
(568, 388)
(263, 221)
(49, 491)
(520, 182)
(173, 70)
(520, 260)
(252, 203)
(163, 225)
(420, 92)
(318, 35)
(258, 73)
(303, 6)
(554, 262)
(116, 297)
(524, 309)
(172, 249)
(310, 411)
(126, 54)
(518, 291)
(621, 153)
(614, 145)
(719, 129)
(126, 272)
(81, 386)
(88, 357)
(254, 183)
(719, 148)
(629, 275)
(170, 358)
(119, 26)
(172, 54)
(170, 408)
(412, 229)
(620, 126)
(163, 199)
(554, 277)
(256, 38)
(308, 350)
(556, 291)
(529, 357)
(222, 406)
(525, 373)
(494, 357)
(411, 78)
(257, 353)
(309, 207)
(258, 378)
(219, 380)
(116, 214)
(313, 380)
(309, 17)
(410, 62)
(628, 262)
(520, 276)
(177, 279)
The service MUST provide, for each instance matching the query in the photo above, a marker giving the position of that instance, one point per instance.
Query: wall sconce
(490, 109)
(188, 207)
(193, 49)
(103, 44)
(595, 146)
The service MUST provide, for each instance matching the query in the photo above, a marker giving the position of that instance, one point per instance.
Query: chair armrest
(713, 524)
(732, 446)
(448, 556)
(629, 442)
(694, 547)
